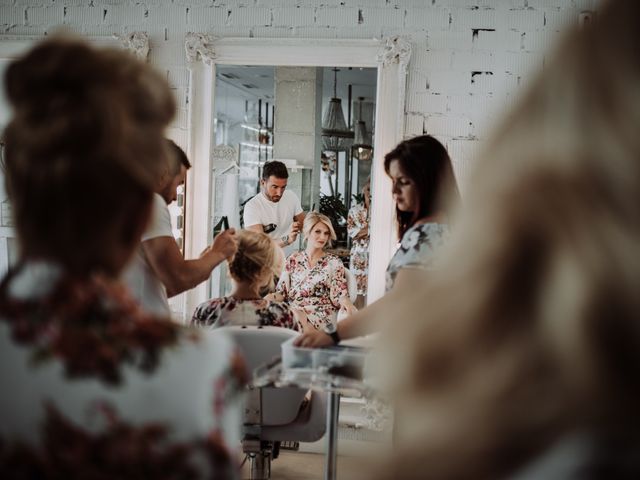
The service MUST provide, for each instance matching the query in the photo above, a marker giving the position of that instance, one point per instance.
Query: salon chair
(273, 415)
(352, 285)
(352, 288)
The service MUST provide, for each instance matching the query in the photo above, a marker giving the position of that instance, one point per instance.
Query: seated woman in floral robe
(314, 283)
(92, 387)
(253, 267)
(358, 229)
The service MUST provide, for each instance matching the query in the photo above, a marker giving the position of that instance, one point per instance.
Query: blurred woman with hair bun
(92, 387)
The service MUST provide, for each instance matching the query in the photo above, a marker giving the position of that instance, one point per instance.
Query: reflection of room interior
(285, 113)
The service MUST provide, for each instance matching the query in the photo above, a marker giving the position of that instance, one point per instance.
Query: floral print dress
(358, 219)
(220, 312)
(92, 387)
(418, 249)
(316, 291)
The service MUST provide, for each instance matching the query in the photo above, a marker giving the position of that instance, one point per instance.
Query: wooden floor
(309, 466)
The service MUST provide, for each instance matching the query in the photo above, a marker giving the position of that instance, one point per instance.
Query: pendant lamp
(335, 134)
(362, 149)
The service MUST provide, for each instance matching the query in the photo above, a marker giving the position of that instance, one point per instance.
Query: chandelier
(362, 149)
(335, 134)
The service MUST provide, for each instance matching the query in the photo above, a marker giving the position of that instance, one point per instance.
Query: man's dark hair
(179, 156)
(274, 168)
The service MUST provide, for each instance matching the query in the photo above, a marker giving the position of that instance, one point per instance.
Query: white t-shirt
(143, 283)
(262, 211)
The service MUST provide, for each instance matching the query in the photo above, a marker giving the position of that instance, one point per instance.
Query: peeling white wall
(470, 57)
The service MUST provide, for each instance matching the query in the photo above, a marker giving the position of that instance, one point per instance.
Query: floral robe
(220, 312)
(358, 219)
(92, 387)
(418, 249)
(316, 291)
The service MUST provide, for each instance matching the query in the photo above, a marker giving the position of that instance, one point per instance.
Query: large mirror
(265, 113)
(256, 100)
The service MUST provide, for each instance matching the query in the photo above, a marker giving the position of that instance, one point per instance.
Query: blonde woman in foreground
(521, 358)
(252, 268)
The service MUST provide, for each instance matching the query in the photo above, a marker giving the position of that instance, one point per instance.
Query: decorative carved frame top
(203, 51)
(12, 46)
(199, 47)
(396, 49)
(137, 43)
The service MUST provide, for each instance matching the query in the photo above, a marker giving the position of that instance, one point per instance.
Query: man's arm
(255, 228)
(294, 230)
(299, 218)
(259, 228)
(178, 274)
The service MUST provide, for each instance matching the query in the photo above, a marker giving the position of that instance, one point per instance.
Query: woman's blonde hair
(312, 219)
(530, 331)
(83, 151)
(258, 259)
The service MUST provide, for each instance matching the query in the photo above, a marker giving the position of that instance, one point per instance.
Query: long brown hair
(426, 162)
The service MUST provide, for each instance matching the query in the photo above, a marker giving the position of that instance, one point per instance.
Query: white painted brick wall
(250, 16)
(466, 19)
(449, 39)
(11, 16)
(84, 15)
(337, 17)
(204, 18)
(496, 40)
(422, 103)
(448, 126)
(473, 61)
(505, 40)
(44, 15)
(427, 18)
(129, 14)
(525, 19)
(299, 16)
(381, 16)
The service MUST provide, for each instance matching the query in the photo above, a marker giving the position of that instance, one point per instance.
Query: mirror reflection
(319, 123)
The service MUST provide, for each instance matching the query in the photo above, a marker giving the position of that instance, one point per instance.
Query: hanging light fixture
(335, 134)
(362, 149)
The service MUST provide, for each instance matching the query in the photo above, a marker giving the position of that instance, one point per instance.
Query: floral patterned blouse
(92, 387)
(418, 249)
(316, 291)
(220, 312)
(358, 219)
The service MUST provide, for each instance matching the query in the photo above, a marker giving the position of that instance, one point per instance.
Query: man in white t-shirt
(158, 270)
(275, 210)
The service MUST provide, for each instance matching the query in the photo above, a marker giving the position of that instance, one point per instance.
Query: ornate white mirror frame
(390, 56)
(12, 46)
